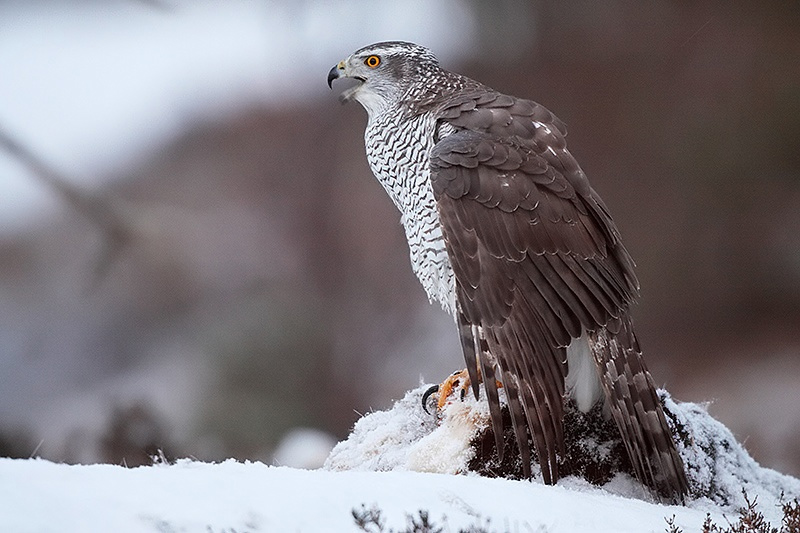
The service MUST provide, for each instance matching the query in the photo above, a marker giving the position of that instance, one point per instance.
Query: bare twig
(100, 211)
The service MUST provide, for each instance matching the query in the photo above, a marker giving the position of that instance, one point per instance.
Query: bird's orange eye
(372, 61)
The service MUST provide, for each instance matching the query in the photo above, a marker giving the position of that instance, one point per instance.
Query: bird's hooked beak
(340, 71)
(335, 73)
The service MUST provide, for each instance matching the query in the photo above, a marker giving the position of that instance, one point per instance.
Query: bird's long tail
(636, 409)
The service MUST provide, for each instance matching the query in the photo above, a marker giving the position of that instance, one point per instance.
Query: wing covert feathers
(538, 261)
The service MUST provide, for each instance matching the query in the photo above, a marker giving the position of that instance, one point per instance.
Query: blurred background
(195, 257)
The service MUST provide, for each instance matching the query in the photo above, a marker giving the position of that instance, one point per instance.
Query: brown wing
(536, 258)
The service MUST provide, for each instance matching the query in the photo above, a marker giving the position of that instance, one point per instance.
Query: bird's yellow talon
(456, 380)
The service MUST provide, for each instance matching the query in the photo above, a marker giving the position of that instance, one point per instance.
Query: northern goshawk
(506, 233)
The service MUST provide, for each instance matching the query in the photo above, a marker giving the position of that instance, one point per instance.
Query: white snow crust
(40, 496)
(400, 461)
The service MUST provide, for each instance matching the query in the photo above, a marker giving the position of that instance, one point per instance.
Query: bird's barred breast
(398, 152)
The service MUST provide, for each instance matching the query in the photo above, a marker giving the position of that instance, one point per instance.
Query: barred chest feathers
(398, 152)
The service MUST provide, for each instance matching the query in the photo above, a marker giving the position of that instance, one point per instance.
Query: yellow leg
(456, 380)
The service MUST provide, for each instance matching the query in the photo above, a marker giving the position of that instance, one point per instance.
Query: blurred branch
(100, 211)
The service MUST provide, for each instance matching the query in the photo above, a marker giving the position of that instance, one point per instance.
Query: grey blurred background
(194, 256)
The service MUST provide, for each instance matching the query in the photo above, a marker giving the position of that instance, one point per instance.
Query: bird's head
(385, 72)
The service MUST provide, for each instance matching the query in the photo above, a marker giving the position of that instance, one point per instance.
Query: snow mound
(719, 469)
(405, 437)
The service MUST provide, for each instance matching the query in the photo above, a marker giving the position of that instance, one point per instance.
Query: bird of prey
(506, 232)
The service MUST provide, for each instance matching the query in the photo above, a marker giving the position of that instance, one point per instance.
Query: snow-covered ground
(400, 462)
(39, 496)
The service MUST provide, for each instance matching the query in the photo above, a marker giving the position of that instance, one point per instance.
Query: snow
(719, 468)
(304, 447)
(39, 496)
(393, 461)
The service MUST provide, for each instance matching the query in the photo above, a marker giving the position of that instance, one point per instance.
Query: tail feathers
(635, 407)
